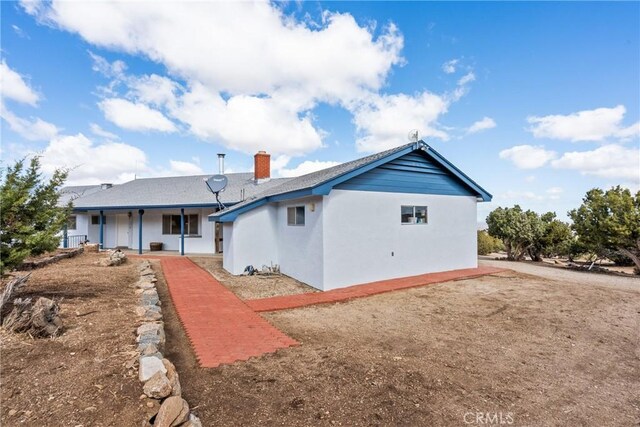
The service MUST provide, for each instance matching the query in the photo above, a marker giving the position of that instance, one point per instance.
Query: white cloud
(467, 78)
(98, 131)
(588, 125)
(33, 129)
(528, 156)
(306, 167)
(19, 31)
(449, 67)
(530, 178)
(91, 163)
(385, 121)
(480, 125)
(246, 91)
(630, 132)
(609, 161)
(154, 90)
(115, 69)
(248, 123)
(14, 87)
(135, 116)
(184, 168)
(554, 193)
(221, 43)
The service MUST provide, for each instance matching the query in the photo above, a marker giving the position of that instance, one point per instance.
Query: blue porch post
(65, 236)
(182, 231)
(140, 213)
(101, 230)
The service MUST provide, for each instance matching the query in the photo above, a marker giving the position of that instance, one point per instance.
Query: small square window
(71, 222)
(413, 215)
(295, 215)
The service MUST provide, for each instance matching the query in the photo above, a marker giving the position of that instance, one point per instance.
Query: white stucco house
(401, 212)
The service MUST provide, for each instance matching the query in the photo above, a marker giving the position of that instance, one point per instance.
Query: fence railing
(73, 241)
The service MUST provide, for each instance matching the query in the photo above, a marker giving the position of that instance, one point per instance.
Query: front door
(122, 230)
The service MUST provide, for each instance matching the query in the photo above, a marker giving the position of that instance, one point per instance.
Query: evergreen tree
(30, 218)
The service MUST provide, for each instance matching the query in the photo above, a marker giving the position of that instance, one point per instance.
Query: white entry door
(122, 230)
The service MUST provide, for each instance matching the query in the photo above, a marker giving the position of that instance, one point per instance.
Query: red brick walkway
(364, 290)
(221, 327)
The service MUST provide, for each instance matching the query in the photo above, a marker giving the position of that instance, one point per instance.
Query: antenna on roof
(216, 184)
(414, 135)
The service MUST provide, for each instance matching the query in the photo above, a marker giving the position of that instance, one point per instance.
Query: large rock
(149, 365)
(158, 386)
(149, 297)
(174, 379)
(145, 284)
(193, 421)
(173, 412)
(151, 333)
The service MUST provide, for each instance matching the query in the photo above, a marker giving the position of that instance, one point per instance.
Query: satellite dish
(217, 183)
(414, 135)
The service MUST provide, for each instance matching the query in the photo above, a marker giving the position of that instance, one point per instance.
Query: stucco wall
(300, 246)
(254, 240)
(365, 241)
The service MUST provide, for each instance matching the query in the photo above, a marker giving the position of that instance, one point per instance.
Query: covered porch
(179, 230)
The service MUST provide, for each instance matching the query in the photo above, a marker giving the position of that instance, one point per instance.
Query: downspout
(182, 231)
(140, 213)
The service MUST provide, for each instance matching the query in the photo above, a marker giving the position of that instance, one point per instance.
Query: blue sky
(538, 102)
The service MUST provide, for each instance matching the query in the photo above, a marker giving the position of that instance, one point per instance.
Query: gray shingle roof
(73, 192)
(314, 178)
(173, 191)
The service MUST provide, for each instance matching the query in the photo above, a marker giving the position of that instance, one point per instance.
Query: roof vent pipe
(221, 163)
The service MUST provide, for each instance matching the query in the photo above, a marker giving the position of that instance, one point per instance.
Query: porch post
(140, 213)
(101, 230)
(181, 231)
(65, 236)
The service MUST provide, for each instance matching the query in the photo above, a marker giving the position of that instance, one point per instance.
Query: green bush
(488, 244)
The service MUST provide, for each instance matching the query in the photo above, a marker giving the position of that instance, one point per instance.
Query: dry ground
(80, 378)
(539, 351)
(252, 287)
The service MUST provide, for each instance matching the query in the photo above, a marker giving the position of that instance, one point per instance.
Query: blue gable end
(411, 173)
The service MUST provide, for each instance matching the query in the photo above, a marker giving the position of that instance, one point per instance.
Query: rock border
(158, 375)
(32, 265)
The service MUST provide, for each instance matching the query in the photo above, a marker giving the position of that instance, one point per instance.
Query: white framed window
(171, 224)
(413, 214)
(295, 215)
(72, 222)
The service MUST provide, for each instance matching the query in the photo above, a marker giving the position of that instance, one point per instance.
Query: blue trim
(326, 187)
(182, 231)
(140, 213)
(457, 183)
(484, 194)
(113, 208)
(231, 216)
(414, 173)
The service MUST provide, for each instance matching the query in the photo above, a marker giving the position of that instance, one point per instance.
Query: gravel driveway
(564, 275)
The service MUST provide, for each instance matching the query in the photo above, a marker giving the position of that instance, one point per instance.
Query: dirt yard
(83, 377)
(530, 350)
(252, 287)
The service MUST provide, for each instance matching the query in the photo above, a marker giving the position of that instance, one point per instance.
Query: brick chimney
(262, 166)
